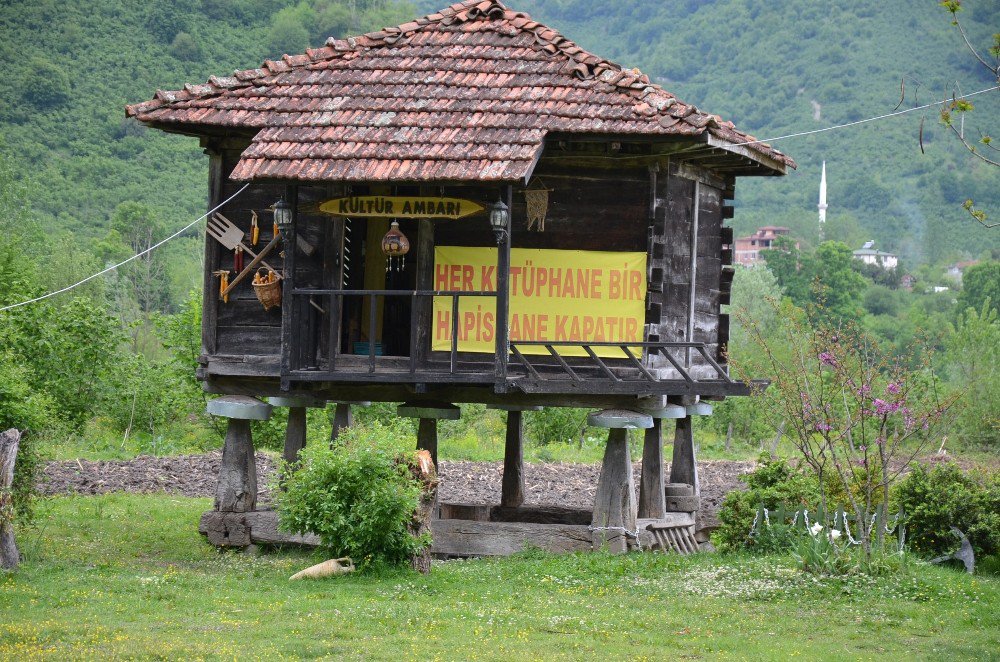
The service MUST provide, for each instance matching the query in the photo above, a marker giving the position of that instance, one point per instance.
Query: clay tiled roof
(467, 93)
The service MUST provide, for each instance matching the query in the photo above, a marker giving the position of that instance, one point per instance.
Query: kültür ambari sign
(389, 206)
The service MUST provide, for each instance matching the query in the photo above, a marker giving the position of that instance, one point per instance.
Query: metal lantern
(282, 215)
(395, 246)
(500, 220)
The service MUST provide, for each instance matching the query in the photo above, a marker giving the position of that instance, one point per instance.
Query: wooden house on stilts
(472, 209)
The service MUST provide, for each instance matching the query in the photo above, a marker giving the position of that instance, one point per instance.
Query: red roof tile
(466, 93)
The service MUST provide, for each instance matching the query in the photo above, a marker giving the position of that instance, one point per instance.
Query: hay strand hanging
(537, 198)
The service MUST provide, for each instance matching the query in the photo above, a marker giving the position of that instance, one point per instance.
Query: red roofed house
(748, 248)
(564, 218)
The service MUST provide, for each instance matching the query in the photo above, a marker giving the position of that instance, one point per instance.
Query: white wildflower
(816, 528)
(834, 534)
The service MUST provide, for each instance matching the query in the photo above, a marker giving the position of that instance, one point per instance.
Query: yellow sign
(386, 206)
(558, 296)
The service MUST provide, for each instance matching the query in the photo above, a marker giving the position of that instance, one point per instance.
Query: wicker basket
(269, 294)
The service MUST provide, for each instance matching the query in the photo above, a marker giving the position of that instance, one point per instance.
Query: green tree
(837, 287)
(792, 268)
(46, 84)
(288, 32)
(980, 283)
(973, 362)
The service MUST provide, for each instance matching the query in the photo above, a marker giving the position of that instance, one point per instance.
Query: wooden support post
(237, 489)
(614, 504)
(343, 418)
(651, 483)
(429, 415)
(295, 434)
(683, 467)
(10, 558)
(512, 489)
(503, 301)
(427, 437)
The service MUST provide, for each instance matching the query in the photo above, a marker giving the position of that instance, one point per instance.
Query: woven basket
(269, 294)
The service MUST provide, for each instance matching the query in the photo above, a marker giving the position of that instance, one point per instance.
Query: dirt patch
(568, 485)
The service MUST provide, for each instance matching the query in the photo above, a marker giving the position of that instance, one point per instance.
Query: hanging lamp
(395, 246)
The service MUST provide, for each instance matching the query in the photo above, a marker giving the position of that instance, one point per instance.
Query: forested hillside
(776, 68)
(772, 67)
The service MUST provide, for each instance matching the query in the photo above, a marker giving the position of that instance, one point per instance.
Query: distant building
(871, 255)
(956, 270)
(748, 248)
(907, 282)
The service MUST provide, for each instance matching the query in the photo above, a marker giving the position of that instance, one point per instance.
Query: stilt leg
(343, 418)
(512, 491)
(237, 489)
(683, 468)
(295, 434)
(651, 501)
(614, 505)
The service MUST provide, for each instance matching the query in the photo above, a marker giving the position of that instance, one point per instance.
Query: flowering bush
(857, 415)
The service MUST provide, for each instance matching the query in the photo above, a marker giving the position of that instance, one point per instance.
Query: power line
(136, 256)
(870, 119)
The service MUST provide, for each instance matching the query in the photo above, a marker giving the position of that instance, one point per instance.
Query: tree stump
(10, 558)
(426, 472)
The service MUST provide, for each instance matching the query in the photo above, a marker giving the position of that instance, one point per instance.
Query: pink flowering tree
(857, 414)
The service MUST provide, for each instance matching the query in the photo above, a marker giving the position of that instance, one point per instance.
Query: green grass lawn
(125, 576)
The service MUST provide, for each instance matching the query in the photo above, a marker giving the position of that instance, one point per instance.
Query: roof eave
(774, 165)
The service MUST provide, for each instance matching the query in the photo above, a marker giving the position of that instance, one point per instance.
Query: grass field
(126, 576)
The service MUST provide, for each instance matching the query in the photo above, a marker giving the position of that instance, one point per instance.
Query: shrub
(771, 484)
(934, 500)
(359, 498)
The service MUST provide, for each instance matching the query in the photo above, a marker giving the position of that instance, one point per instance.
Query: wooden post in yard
(10, 558)
(343, 417)
(652, 488)
(295, 432)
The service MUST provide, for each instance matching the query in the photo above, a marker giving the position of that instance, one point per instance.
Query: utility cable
(870, 119)
(136, 256)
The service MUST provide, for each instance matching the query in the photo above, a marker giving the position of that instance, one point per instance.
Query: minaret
(822, 201)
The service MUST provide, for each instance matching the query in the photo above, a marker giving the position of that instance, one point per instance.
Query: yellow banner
(555, 296)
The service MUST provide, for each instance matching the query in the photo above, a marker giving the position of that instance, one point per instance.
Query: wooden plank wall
(242, 327)
(671, 221)
(586, 212)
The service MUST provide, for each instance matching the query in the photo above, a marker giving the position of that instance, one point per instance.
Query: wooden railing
(335, 297)
(641, 364)
(570, 366)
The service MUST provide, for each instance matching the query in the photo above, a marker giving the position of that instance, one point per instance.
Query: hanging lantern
(395, 246)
